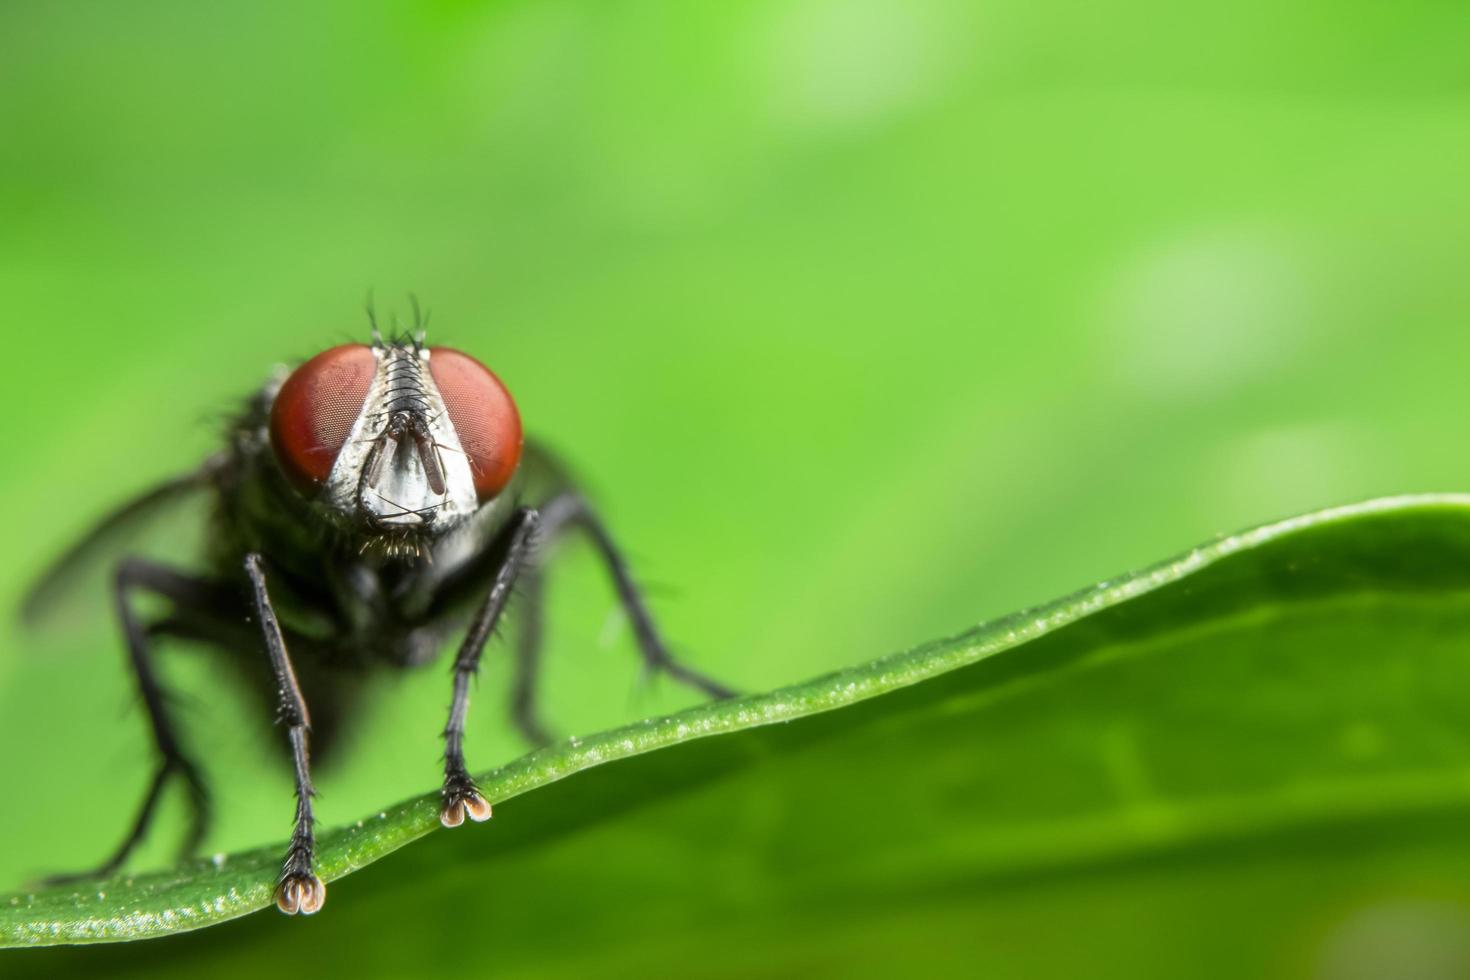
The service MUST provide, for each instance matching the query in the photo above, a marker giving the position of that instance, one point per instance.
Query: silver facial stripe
(402, 495)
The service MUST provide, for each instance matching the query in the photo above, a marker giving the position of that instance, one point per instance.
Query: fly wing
(543, 473)
(46, 594)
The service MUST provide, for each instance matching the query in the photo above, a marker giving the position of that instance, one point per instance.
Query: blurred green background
(864, 320)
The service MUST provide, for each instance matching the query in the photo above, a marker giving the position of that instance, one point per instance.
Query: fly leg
(570, 510)
(461, 795)
(186, 592)
(530, 614)
(298, 889)
(565, 512)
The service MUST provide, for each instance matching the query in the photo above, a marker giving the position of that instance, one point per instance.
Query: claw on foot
(462, 802)
(300, 892)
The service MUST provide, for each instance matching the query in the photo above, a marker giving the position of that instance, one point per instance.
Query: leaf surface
(1248, 715)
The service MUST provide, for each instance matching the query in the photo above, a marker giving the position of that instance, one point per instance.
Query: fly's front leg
(461, 796)
(298, 889)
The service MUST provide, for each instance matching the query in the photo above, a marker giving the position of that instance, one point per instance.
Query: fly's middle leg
(563, 513)
(200, 597)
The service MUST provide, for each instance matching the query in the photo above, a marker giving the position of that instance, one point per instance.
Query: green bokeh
(865, 320)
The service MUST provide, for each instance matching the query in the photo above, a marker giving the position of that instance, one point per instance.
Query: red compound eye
(315, 410)
(484, 417)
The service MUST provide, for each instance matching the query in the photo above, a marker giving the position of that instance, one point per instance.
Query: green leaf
(1239, 737)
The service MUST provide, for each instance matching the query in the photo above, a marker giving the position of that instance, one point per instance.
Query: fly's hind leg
(191, 595)
(530, 614)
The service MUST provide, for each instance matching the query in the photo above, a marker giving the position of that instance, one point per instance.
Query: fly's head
(397, 441)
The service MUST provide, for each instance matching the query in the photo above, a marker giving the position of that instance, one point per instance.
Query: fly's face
(396, 438)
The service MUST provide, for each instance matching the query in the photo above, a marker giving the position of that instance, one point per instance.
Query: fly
(368, 507)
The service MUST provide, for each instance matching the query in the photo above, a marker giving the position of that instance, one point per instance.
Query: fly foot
(462, 797)
(300, 892)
